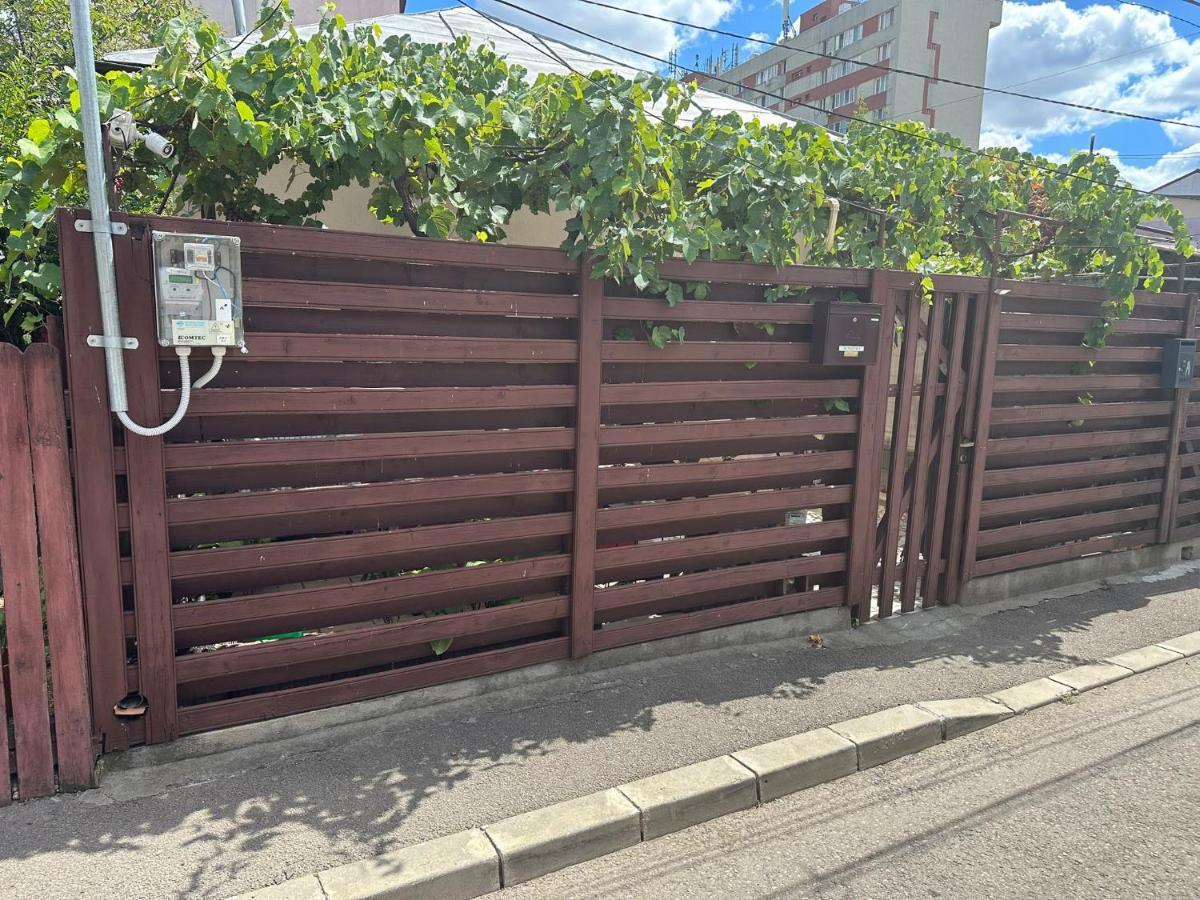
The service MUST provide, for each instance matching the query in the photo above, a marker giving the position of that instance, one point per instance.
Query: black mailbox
(846, 334)
(1179, 363)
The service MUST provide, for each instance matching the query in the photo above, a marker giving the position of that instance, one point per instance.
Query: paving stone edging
(481, 860)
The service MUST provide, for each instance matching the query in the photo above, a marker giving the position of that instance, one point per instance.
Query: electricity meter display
(198, 289)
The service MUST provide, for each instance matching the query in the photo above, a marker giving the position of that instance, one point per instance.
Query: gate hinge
(115, 228)
(117, 343)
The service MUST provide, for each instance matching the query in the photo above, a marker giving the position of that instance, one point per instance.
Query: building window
(885, 51)
(881, 85)
(841, 98)
(765, 75)
(840, 70)
(844, 39)
(887, 19)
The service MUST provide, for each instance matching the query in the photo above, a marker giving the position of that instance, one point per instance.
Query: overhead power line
(927, 138)
(547, 51)
(892, 69)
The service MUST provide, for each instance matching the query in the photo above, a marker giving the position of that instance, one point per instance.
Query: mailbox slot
(1179, 363)
(846, 334)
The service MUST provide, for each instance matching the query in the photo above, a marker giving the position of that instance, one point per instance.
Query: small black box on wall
(1179, 363)
(846, 334)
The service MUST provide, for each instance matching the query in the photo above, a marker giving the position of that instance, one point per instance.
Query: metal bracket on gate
(117, 343)
(116, 228)
(87, 225)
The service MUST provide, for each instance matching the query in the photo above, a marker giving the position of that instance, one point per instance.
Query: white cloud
(1158, 172)
(1125, 58)
(655, 38)
(752, 46)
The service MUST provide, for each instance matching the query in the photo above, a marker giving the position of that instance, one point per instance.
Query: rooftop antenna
(787, 19)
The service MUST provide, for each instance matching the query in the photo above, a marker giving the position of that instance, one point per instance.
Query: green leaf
(441, 222)
(440, 646)
(39, 130)
(674, 294)
(244, 111)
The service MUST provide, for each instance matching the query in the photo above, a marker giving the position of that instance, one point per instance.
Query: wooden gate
(441, 459)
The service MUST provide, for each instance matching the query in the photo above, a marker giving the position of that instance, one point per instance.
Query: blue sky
(1122, 56)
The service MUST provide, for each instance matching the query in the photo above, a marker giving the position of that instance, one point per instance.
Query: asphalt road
(1095, 797)
(226, 824)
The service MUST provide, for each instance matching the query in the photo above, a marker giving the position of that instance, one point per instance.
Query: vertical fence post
(60, 567)
(95, 484)
(1169, 502)
(587, 460)
(146, 478)
(868, 458)
(22, 587)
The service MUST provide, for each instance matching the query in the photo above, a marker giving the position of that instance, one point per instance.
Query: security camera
(123, 134)
(157, 144)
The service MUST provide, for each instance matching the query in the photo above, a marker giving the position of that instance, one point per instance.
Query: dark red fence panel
(41, 629)
(440, 460)
(1081, 450)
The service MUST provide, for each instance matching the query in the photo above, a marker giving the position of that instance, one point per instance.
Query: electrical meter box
(846, 334)
(198, 288)
(1179, 363)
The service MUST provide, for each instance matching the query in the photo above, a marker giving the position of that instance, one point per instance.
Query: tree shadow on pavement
(228, 823)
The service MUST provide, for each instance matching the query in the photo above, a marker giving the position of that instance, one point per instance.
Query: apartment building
(934, 38)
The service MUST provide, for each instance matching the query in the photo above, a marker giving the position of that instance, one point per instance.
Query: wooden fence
(43, 680)
(440, 460)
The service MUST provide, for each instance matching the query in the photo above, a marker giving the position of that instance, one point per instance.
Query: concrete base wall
(799, 625)
(1073, 572)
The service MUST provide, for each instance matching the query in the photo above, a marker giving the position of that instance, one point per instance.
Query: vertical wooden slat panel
(22, 587)
(897, 466)
(947, 445)
(923, 458)
(95, 486)
(147, 496)
(587, 460)
(983, 424)
(864, 511)
(60, 571)
(1179, 414)
(956, 512)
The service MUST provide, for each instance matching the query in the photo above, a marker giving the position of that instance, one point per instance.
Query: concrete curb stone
(554, 837)
(456, 867)
(891, 733)
(1094, 675)
(680, 798)
(1144, 658)
(1186, 644)
(792, 764)
(523, 847)
(1031, 694)
(962, 716)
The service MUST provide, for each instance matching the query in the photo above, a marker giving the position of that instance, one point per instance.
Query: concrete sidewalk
(229, 823)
